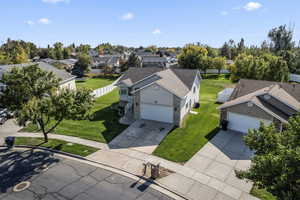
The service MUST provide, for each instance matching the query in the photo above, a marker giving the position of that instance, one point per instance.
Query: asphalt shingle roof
(254, 91)
(177, 81)
(62, 74)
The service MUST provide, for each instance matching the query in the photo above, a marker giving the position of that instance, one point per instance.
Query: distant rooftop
(62, 74)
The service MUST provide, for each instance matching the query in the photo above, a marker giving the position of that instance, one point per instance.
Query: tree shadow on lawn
(109, 116)
(18, 166)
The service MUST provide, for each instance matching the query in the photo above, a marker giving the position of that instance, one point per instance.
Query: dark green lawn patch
(262, 194)
(58, 145)
(182, 143)
(102, 126)
(94, 83)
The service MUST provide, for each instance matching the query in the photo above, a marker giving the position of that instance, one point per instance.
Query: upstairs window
(123, 91)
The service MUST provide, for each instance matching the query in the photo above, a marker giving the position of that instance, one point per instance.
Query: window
(194, 90)
(186, 106)
(123, 91)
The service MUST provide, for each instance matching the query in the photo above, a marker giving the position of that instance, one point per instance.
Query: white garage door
(243, 123)
(157, 113)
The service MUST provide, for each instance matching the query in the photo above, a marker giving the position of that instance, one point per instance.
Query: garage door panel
(243, 123)
(157, 113)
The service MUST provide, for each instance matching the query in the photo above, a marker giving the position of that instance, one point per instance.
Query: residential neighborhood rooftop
(62, 74)
(178, 81)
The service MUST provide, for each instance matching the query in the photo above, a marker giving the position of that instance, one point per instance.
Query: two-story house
(158, 94)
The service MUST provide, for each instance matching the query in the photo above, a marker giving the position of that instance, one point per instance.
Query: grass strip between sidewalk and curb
(59, 145)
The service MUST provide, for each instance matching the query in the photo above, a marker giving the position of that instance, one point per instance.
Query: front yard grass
(59, 145)
(262, 194)
(102, 126)
(94, 83)
(182, 143)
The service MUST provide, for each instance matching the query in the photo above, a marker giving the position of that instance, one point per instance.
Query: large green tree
(25, 83)
(218, 63)
(263, 67)
(193, 57)
(281, 38)
(82, 65)
(50, 110)
(276, 164)
(133, 61)
(58, 51)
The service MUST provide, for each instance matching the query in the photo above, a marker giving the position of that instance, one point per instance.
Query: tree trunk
(41, 123)
(45, 137)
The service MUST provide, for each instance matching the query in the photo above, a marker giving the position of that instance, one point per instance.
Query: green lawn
(102, 126)
(262, 194)
(59, 145)
(94, 83)
(182, 143)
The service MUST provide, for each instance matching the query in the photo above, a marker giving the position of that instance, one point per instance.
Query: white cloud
(30, 22)
(128, 16)
(251, 6)
(55, 1)
(224, 13)
(156, 31)
(44, 21)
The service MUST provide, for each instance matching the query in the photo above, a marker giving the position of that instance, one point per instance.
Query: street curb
(110, 168)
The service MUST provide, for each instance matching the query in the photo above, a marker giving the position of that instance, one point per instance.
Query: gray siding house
(254, 101)
(165, 95)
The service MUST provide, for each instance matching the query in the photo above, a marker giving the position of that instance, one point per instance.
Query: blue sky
(142, 22)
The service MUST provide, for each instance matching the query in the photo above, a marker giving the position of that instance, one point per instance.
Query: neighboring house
(153, 61)
(66, 80)
(67, 63)
(93, 53)
(111, 61)
(254, 101)
(165, 95)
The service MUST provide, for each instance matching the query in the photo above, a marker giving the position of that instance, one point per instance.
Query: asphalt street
(65, 179)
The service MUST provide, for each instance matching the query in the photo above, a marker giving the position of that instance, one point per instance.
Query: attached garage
(157, 113)
(243, 123)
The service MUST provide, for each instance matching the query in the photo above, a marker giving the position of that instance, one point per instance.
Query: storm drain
(21, 186)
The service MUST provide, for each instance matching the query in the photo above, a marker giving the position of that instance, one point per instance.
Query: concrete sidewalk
(190, 180)
(185, 181)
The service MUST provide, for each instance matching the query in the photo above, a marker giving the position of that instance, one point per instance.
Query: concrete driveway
(213, 170)
(221, 156)
(142, 135)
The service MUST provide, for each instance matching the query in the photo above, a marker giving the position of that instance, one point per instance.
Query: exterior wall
(136, 105)
(223, 114)
(253, 111)
(177, 114)
(192, 97)
(124, 97)
(278, 124)
(68, 85)
(155, 94)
